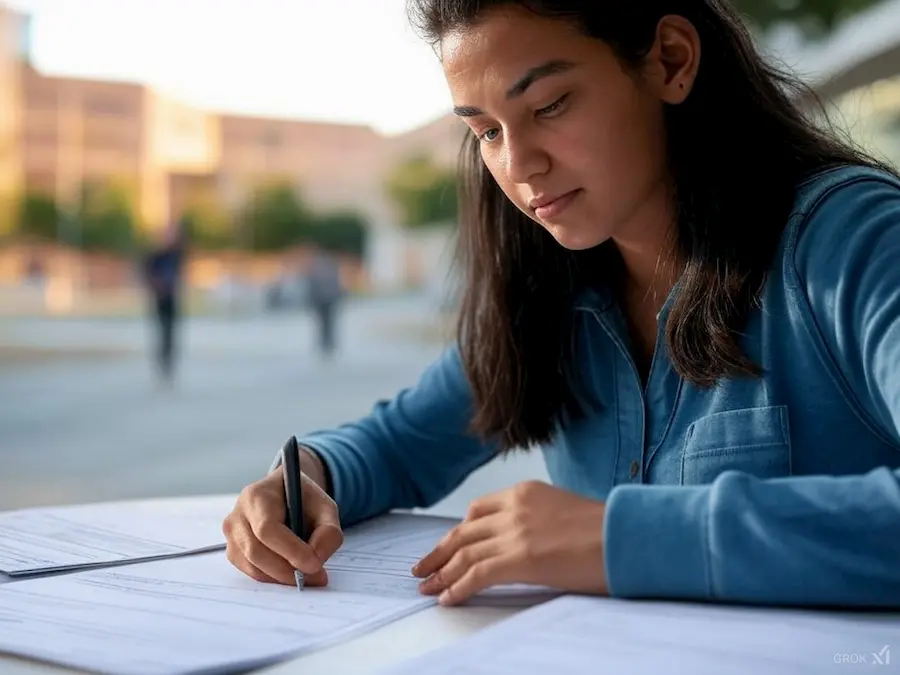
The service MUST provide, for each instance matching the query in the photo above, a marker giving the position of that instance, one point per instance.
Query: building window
(271, 139)
(101, 106)
(24, 30)
(42, 137)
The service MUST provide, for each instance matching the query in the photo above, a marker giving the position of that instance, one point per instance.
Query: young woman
(679, 288)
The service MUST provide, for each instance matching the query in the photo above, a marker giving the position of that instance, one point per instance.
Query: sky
(354, 61)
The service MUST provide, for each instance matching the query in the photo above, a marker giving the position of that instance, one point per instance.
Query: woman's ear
(673, 62)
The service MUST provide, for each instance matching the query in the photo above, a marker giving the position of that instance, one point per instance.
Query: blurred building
(80, 132)
(59, 135)
(182, 153)
(399, 257)
(332, 165)
(13, 52)
(423, 257)
(170, 155)
(441, 138)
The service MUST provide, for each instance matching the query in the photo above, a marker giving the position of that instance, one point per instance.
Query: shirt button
(635, 468)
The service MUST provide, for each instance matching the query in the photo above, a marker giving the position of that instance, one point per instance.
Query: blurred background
(225, 223)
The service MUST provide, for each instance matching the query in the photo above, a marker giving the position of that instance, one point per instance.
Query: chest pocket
(755, 441)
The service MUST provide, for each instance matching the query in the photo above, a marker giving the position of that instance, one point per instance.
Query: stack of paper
(393, 544)
(573, 635)
(43, 540)
(187, 615)
(200, 614)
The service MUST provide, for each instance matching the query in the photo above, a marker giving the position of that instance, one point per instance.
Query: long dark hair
(737, 150)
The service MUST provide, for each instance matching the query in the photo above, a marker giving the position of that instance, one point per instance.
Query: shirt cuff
(326, 470)
(656, 542)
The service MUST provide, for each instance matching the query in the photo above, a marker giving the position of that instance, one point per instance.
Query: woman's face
(573, 139)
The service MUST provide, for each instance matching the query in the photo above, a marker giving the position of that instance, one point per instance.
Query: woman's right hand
(259, 543)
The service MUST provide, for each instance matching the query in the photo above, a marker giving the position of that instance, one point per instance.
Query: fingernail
(444, 597)
(317, 579)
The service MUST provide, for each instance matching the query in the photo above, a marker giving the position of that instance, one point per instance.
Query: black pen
(293, 496)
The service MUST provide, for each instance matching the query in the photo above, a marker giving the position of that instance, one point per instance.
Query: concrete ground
(83, 419)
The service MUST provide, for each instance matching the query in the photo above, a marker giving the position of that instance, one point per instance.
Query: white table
(396, 642)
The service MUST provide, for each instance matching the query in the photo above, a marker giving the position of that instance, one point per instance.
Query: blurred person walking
(163, 270)
(325, 294)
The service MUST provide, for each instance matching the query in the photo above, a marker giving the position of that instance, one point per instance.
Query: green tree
(105, 220)
(342, 231)
(424, 193)
(10, 204)
(208, 226)
(38, 216)
(816, 17)
(274, 218)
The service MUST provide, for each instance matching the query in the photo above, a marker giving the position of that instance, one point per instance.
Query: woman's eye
(553, 107)
(486, 136)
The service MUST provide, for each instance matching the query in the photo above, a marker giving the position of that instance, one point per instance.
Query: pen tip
(298, 578)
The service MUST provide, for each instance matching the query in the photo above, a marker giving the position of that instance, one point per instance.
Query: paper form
(380, 554)
(574, 635)
(199, 613)
(36, 541)
(178, 616)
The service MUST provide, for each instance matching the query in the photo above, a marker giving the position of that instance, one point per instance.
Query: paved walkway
(85, 429)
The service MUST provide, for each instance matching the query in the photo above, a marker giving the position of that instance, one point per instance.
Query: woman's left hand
(532, 533)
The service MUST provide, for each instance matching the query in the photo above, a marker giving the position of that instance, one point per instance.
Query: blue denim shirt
(779, 490)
